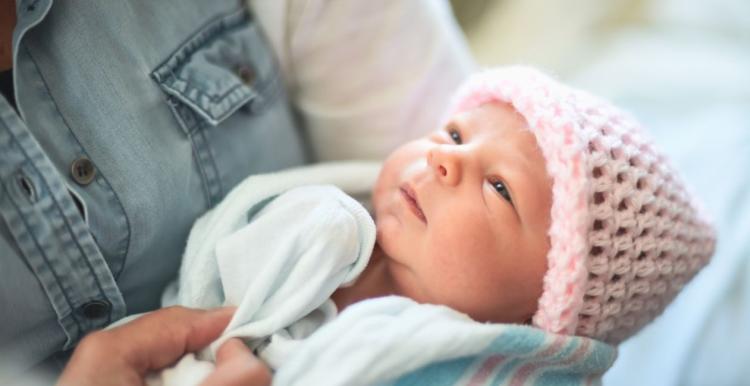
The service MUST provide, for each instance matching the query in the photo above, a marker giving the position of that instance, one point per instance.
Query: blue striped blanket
(395, 341)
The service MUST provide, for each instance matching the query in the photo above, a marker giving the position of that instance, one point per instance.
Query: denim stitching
(210, 156)
(191, 102)
(46, 259)
(204, 177)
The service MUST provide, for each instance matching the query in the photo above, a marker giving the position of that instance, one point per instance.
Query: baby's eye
(500, 188)
(455, 135)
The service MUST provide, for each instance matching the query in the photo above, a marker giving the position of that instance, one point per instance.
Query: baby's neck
(375, 281)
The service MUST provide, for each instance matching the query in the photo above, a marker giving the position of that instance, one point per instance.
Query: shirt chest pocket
(224, 89)
(225, 66)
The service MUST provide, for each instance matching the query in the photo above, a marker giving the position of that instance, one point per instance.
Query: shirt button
(95, 309)
(246, 73)
(83, 171)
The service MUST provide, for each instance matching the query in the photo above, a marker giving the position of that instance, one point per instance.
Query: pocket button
(247, 74)
(83, 171)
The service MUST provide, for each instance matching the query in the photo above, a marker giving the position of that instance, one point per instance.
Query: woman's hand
(125, 354)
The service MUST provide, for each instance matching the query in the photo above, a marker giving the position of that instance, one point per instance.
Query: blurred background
(683, 68)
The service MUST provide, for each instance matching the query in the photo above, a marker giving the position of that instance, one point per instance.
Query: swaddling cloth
(295, 251)
(277, 252)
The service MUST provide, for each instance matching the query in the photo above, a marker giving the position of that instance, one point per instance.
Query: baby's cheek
(454, 259)
(385, 226)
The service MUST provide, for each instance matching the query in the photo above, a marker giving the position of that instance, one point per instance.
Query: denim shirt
(134, 117)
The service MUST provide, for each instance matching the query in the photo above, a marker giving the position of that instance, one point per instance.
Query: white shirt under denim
(134, 117)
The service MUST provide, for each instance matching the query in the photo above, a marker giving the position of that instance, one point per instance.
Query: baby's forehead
(502, 124)
(502, 115)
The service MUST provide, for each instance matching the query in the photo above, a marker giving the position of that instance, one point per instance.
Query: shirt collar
(29, 13)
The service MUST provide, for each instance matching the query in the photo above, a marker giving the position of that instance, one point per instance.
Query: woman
(124, 121)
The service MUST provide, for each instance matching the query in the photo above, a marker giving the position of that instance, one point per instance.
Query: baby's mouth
(411, 199)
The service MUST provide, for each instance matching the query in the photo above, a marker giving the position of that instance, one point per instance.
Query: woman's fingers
(158, 339)
(236, 365)
(123, 355)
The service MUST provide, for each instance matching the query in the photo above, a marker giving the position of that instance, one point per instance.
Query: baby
(534, 204)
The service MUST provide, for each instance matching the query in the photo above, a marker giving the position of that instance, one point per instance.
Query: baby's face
(463, 215)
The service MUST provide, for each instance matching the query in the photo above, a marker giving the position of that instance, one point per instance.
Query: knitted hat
(625, 236)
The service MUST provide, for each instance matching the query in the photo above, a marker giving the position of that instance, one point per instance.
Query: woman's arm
(366, 76)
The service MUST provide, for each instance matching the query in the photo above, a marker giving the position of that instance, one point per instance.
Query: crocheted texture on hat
(625, 235)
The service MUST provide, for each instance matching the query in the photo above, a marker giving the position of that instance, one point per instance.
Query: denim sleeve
(54, 283)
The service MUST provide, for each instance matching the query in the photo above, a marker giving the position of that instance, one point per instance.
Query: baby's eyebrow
(453, 124)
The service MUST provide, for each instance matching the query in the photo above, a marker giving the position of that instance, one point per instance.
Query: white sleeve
(366, 76)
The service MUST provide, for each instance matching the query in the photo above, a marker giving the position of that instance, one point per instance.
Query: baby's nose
(446, 163)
